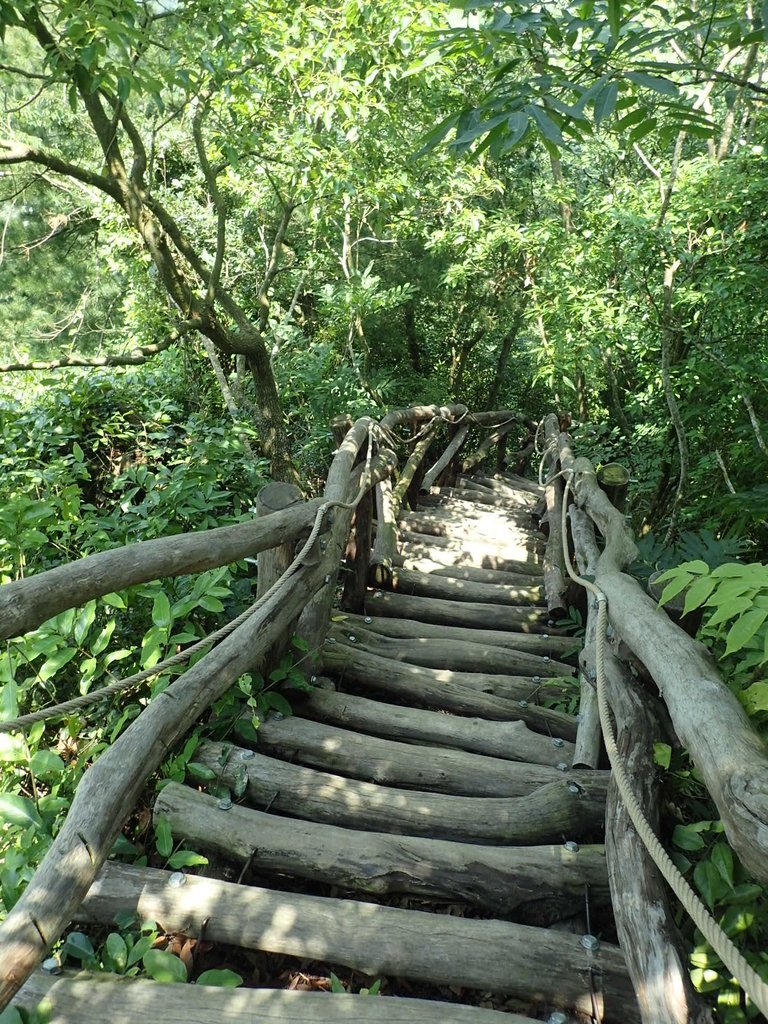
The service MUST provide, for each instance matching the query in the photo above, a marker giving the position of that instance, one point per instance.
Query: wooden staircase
(416, 819)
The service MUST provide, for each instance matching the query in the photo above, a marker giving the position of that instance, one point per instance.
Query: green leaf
(730, 611)
(662, 85)
(755, 697)
(742, 631)
(164, 966)
(186, 859)
(708, 882)
(547, 126)
(675, 587)
(161, 611)
(163, 836)
(614, 17)
(117, 951)
(201, 771)
(276, 702)
(139, 949)
(11, 1015)
(662, 754)
(687, 837)
(114, 601)
(222, 978)
(78, 946)
(605, 101)
(721, 856)
(698, 592)
(46, 762)
(19, 810)
(56, 662)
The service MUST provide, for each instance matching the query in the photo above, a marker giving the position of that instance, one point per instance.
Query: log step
(550, 967)
(542, 816)
(403, 765)
(474, 553)
(513, 741)
(472, 614)
(532, 881)
(408, 581)
(96, 998)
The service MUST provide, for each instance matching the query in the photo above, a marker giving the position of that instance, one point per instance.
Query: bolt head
(367, 619)
(327, 579)
(545, 636)
(561, 766)
(523, 703)
(575, 788)
(352, 638)
(557, 1018)
(51, 966)
(550, 622)
(247, 755)
(557, 742)
(330, 640)
(535, 679)
(177, 879)
(571, 846)
(590, 942)
(546, 658)
(224, 804)
(313, 679)
(377, 593)
(277, 716)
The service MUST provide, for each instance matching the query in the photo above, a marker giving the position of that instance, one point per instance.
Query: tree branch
(135, 357)
(674, 408)
(17, 153)
(213, 191)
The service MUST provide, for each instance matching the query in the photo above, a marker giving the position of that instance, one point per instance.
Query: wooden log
(484, 448)
(554, 572)
(521, 482)
(407, 581)
(542, 816)
(614, 480)
(94, 998)
(503, 739)
(108, 791)
(589, 737)
(657, 958)
(385, 546)
(455, 613)
(519, 549)
(479, 497)
(420, 413)
(445, 523)
(531, 578)
(358, 556)
(273, 562)
(458, 655)
(508, 698)
(730, 756)
(402, 765)
(544, 644)
(453, 447)
(340, 426)
(517, 461)
(411, 468)
(499, 486)
(376, 940)
(24, 604)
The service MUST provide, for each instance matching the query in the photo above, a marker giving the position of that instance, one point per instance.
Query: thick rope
(77, 703)
(747, 977)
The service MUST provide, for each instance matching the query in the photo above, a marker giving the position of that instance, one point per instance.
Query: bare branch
(213, 191)
(273, 266)
(135, 357)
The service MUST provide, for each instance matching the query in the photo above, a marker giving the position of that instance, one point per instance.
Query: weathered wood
(109, 789)
(543, 644)
(453, 447)
(24, 604)
(412, 466)
(358, 556)
(549, 966)
(729, 755)
(495, 696)
(614, 480)
(455, 613)
(385, 546)
(521, 482)
(500, 486)
(340, 425)
(511, 556)
(657, 958)
(403, 765)
(554, 572)
(96, 998)
(530, 578)
(707, 717)
(273, 562)
(445, 522)
(457, 655)
(485, 447)
(540, 817)
(589, 736)
(503, 739)
(407, 581)
(480, 497)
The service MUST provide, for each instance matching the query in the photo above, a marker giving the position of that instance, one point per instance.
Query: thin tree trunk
(501, 364)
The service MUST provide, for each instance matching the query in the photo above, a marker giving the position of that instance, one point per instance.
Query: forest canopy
(346, 205)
